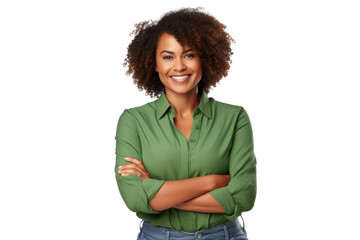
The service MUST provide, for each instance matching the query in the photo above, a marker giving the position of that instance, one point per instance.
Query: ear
(156, 69)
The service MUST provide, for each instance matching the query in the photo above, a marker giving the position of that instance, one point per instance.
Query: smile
(181, 78)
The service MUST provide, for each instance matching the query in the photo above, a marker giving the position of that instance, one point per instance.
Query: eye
(190, 55)
(167, 57)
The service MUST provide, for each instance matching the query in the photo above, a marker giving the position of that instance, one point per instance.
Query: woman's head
(178, 67)
(194, 30)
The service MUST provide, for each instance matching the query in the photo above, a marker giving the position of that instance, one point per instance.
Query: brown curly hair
(191, 27)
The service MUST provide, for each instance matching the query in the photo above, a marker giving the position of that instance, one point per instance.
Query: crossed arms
(192, 194)
(228, 194)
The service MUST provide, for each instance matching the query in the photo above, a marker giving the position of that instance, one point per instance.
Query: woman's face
(179, 67)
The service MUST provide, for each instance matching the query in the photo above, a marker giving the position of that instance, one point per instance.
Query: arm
(176, 192)
(205, 203)
(180, 193)
(239, 195)
(135, 192)
(152, 195)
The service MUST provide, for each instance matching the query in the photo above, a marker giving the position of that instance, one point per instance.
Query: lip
(180, 78)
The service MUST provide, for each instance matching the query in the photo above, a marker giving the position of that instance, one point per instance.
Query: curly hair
(191, 27)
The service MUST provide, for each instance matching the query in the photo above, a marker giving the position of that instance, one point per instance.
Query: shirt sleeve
(239, 195)
(135, 192)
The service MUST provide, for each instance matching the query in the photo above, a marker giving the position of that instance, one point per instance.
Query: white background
(295, 70)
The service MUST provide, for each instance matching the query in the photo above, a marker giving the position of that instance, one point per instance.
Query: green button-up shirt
(221, 142)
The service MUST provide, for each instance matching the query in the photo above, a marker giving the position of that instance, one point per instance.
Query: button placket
(184, 145)
(195, 132)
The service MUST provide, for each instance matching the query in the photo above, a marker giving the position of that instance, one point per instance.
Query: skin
(191, 194)
(172, 59)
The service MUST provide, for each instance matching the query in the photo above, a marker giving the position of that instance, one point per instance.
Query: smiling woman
(185, 162)
(192, 28)
(179, 67)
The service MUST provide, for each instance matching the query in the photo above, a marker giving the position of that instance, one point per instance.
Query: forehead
(169, 42)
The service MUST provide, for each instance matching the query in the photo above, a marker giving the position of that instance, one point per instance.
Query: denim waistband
(222, 230)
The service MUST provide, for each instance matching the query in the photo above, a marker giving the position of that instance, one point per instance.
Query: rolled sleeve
(239, 195)
(135, 192)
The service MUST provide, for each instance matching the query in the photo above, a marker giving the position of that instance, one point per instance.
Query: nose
(179, 65)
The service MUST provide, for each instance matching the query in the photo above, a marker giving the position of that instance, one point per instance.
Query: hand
(135, 167)
(221, 180)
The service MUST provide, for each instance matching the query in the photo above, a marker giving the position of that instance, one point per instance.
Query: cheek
(162, 71)
(162, 68)
(197, 64)
(198, 68)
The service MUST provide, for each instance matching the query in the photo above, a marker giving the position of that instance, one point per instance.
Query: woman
(185, 163)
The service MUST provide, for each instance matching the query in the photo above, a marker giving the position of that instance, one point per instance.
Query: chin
(182, 90)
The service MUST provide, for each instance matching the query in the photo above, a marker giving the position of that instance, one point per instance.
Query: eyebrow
(166, 51)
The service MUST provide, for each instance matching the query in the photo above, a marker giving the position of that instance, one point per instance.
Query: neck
(184, 104)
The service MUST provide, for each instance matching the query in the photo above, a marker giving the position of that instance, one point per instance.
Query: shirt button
(199, 235)
(197, 126)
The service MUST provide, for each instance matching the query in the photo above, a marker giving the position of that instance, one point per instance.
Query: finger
(135, 161)
(134, 169)
(128, 166)
(125, 167)
(130, 172)
(131, 165)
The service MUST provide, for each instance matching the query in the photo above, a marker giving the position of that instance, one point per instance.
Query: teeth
(180, 77)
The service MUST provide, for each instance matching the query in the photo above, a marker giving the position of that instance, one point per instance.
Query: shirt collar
(162, 105)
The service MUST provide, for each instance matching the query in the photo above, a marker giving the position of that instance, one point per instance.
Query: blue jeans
(231, 230)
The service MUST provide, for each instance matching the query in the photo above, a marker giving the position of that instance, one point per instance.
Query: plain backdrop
(63, 87)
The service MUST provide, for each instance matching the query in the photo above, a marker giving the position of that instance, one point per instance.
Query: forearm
(205, 203)
(175, 192)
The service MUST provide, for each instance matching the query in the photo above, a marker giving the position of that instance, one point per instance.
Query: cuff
(225, 199)
(148, 190)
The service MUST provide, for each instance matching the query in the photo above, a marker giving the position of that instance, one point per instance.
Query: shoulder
(142, 110)
(139, 115)
(131, 118)
(224, 108)
(231, 114)
(227, 113)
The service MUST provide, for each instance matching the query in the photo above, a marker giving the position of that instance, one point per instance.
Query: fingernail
(126, 158)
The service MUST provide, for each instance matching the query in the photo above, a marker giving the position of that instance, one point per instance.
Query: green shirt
(221, 142)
